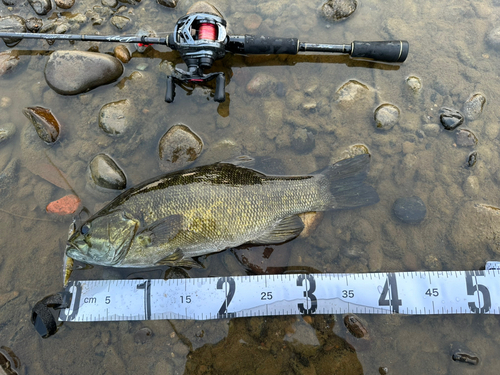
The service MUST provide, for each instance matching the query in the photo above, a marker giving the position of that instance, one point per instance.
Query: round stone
(120, 22)
(122, 53)
(105, 173)
(75, 72)
(337, 10)
(466, 138)
(471, 159)
(473, 107)
(12, 24)
(450, 118)
(252, 21)
(178, 148)
(41, 7)
(7, 131)
(45, 123)
(261, 84)
(410, 210)
(34, 24)
(414, 83)
(116, 118)
(65, 4)
(386, 116)
(8, 61)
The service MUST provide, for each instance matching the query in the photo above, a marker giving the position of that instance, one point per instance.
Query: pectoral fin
(287, 229)
(161, 231)
(177, 259)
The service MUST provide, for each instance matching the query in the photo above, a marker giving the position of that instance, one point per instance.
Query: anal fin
(287, 229)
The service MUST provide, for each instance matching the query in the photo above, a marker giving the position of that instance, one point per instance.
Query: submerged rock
(65, 4)
(7, 131)
(66, 205)
(337, 10)
(350, 92)
(41, 7)
(450, 118)
(178, 148)
(167, 3)
(12, 24)
(493, 38)
(355, 326)
(143, 335)
(74, 72)
(252, 21)
(263, 259)
(473, 107)
(120, 22)
(261, 84)
(8, 61)
(122, 53)
(34, 24)
(410, 210)
(466, 138)
(414, 83)
(45, 123)
(116, 118)
(461, 353)
(105, 173)
(386, 116)
(471, 159)
(303, 140)
(9, 362)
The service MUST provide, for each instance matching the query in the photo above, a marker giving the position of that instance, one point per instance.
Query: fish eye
(85, 229)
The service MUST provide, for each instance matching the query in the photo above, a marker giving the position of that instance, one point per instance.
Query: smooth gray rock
(41, 7)
(105, 173)
(74, 72)
(410, 210)
(12, 24)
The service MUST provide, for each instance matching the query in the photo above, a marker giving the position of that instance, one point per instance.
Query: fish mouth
(73, 251)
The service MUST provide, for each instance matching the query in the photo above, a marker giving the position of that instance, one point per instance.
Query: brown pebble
(65, 206)
(45, 123)
(308, 319)
(354, 326)
(122, 53)
(65, 4)
(311, 221)
(252, 22)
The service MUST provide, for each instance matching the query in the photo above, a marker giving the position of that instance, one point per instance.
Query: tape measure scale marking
(290, 294)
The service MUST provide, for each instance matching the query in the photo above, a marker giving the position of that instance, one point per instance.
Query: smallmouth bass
(170, 219)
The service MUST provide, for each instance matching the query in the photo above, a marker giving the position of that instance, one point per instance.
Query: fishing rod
(201, 38)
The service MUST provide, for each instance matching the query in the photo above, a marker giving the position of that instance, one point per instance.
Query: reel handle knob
(387, 51)
(170, 94)
(220, 88)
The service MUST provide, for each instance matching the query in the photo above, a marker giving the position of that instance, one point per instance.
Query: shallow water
(448, 53)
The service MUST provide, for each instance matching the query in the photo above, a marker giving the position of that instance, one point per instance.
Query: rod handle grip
(262, 45)
(387, 51)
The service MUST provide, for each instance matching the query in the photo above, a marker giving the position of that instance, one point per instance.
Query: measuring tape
(417, 293)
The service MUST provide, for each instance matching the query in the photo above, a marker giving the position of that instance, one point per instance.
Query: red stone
(65, 206)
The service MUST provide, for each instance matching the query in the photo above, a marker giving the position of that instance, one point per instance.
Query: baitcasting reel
(201, 37)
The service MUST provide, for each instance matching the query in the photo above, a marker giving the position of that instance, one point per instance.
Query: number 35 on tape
(457, 292)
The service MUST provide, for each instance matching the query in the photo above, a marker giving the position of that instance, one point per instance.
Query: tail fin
(346, 185)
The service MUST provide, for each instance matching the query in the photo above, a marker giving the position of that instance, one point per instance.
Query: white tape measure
(455, 292)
